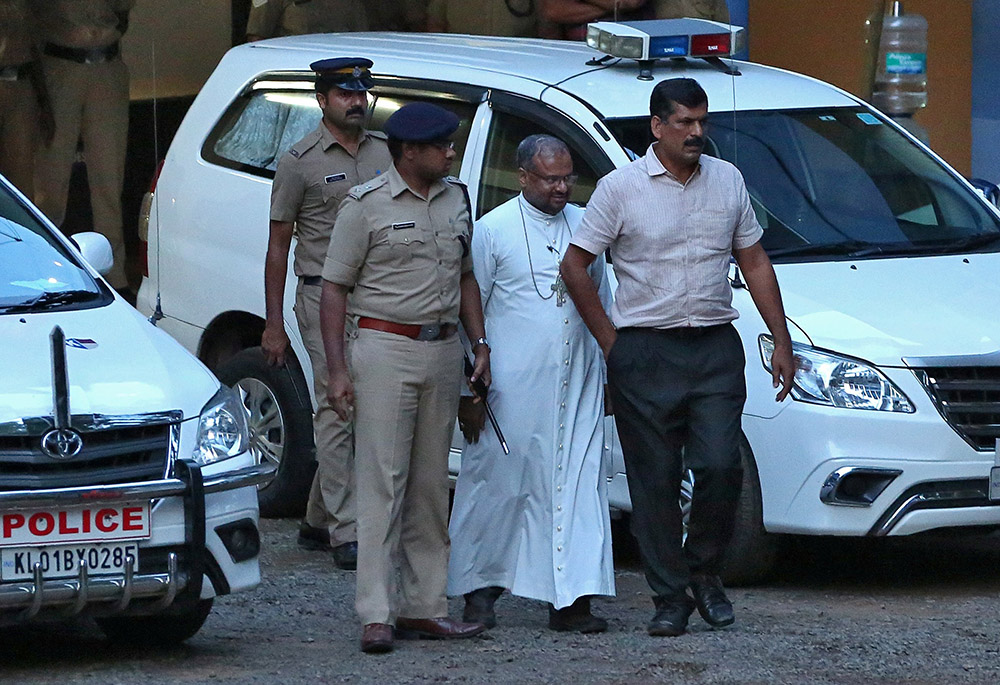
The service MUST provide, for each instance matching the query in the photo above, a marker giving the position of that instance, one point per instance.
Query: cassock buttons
(559, 530)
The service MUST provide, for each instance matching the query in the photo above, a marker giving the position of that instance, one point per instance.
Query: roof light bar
(663, 38)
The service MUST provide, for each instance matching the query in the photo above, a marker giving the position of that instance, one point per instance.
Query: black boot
(479, 606)
(576, 618)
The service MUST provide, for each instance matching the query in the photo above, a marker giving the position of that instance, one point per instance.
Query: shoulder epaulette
(453, 180)
(359, 191)
(301, 147)
(378, 134)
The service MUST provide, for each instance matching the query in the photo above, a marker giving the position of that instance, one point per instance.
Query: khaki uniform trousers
(88, 100)
(18, 133)
(406, 400)
(331, 499)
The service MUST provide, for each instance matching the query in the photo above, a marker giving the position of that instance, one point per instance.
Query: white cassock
(536, 521)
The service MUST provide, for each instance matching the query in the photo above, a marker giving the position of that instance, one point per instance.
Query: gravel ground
(922, 610)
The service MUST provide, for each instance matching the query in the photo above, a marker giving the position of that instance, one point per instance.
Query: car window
(498, 182)
(828, 182)
(36, 272)
(274, 114)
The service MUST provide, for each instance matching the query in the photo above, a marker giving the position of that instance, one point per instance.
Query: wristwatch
(481, 341)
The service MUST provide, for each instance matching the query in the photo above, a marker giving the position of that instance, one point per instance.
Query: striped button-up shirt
(670, 242)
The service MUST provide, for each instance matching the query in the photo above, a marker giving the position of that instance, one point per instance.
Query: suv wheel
(281, 430)
(159, 630)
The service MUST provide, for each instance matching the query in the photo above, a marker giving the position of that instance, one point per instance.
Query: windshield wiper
(48, 300)
(851, 248)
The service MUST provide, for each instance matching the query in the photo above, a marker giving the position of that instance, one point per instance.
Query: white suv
(886, 258)
(126, 488)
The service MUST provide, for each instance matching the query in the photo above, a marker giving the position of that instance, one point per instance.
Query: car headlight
(222, 428)
(838, 381)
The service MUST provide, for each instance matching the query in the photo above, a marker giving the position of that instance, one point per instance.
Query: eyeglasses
(443, 145)
(568, 179)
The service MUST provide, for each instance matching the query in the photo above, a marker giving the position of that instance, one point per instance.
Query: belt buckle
(431, 331)
(8, 74)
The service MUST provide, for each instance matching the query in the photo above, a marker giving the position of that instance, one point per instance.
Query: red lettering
(64, 528)
(105, 520)
(12, 522)
(44, 518)
(86, 520)
(132, 518)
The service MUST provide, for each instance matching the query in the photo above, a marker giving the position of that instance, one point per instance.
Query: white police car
(886, 257)
(126, 488)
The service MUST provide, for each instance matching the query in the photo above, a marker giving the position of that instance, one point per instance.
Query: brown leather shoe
(435, 628)
(376, 638)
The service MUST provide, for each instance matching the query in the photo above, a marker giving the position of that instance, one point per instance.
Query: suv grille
(968, 397)
(121, 455)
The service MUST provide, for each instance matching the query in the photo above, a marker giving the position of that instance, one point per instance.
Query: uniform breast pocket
(334, 191)
(406, 244)
(714, 228)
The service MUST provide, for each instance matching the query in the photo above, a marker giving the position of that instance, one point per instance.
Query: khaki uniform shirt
(403, 254)
(311, 180)
(670, 241)
(15, 33)
(396, 15)
(270, 18)
(716, 10)
(84, 24)
(485, 17)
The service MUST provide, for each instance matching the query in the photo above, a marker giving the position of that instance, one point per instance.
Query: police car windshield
(36, 272)
(841, 183)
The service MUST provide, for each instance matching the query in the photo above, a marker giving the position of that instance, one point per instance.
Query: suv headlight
(222, 428)
(838, 381)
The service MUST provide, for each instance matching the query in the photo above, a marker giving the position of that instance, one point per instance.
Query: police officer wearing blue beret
(311, 180)
(401, 248)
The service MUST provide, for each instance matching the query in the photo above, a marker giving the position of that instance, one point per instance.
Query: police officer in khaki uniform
(483, 17)
(401, 244)
(310, 181)
(717, 10)
(88, 88)
(24, 107)
(396, 15)
(271, 18)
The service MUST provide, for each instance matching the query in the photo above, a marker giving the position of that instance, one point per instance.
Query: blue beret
(348, 73)
(420, 122)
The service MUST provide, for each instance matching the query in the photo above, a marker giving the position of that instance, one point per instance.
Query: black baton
(479, 388)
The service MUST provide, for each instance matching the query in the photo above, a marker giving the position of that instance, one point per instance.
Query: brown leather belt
(82, 55)
(434, 331)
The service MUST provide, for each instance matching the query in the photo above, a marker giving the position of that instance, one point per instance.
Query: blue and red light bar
(663, 38)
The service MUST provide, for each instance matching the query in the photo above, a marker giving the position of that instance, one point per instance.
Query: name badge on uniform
(403, 224)
(333, 178)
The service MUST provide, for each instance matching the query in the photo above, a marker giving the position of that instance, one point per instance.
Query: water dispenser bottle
(901, 77)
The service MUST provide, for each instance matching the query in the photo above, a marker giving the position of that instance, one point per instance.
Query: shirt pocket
(714, 228)
(334, 192)
(406, 245)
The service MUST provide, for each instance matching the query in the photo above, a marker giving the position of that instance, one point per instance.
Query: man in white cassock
(535, 521)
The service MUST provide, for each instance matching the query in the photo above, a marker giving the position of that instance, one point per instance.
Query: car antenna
(158, 310)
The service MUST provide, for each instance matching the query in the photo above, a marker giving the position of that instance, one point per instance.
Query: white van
(885, 255)
(126, 488)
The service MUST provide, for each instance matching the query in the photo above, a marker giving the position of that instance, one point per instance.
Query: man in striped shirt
(672, 220)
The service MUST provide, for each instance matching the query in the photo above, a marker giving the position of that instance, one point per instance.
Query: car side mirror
(96, 249)
(988, 190)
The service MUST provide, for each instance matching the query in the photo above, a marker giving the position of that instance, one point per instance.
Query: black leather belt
(82, 55)
(311, 280)
(15, 72)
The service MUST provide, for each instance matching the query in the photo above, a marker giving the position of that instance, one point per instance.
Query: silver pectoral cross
(559, 288)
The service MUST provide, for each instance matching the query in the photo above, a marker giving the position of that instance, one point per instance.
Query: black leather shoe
(576, 618)
(671, 617)
(312, 538)
(479, 606)
(346, 556)
(713, 605)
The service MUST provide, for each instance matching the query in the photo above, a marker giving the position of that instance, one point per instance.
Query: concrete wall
(826, 39)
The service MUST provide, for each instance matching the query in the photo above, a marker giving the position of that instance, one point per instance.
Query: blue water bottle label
(905, 62)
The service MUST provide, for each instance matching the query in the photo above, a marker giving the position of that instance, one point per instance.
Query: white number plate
(995, 483)
(17, 563)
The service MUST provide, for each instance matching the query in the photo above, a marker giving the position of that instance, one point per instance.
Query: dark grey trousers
(678, 396)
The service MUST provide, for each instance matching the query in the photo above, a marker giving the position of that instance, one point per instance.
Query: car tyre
(159, 630)
(281, 429)
(753, 552)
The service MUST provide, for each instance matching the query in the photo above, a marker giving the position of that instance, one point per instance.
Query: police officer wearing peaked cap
(401, 244)
(311, 180)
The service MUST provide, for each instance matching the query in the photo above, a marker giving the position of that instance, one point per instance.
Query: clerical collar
(532, 212)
